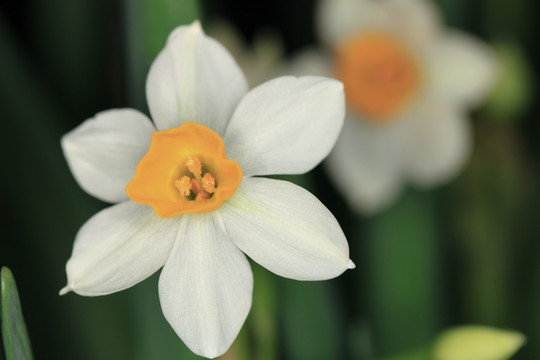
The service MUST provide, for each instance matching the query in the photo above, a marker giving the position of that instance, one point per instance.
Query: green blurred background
(465, 253)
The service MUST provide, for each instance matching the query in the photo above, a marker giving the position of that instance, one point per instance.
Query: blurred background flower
(463, 253)
(409, 82)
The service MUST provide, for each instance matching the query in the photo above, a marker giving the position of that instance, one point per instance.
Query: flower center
(184, 171)
(380, 75)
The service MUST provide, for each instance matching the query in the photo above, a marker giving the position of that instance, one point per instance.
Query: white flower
(408, 83)
(208, 143)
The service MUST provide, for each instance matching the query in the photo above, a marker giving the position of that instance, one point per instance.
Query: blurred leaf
(401, 261)
(477, 343)
(154, 337)
(46, 207)
(72, 45)
(312, 323)
(149, 23)
(513, 91)
(420, 354)
(488, 207)
(263, 317)
(518, 21)
(14, 333)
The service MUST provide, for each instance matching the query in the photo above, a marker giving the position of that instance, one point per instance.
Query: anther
(183, 185)
(209, 183)
(194, 166)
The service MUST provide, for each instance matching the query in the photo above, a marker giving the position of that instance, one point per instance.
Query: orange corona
(379, 74)
(184, 171)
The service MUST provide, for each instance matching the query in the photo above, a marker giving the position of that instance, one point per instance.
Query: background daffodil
(197, 166)
(409, 83)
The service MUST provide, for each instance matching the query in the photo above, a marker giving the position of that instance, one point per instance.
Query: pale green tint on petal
(286, 229)
(104, 151)
(367, 162)
(477, 343)
(117, 248)
(286, 126)
(16, 342)
(206, 285)
(194, 78)
(462, 69)
(439, 145)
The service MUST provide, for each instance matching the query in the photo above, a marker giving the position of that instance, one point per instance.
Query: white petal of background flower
(416, 21)
(103, 152)
(440, 144)
(462, 69)
(206, 285)
(367, 163)
(286, 229)
(194, 78)
(339, 19)
(117, 248)
(286, 126)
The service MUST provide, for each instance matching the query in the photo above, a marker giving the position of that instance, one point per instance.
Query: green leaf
(262, 320)
(14, 334)
(513, 92)
(149, 23)
(401, 263)
(418, 354)
(312, 322)
(475, 342)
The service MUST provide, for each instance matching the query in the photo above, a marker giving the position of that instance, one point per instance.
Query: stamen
(202, 196)
(196, 187)
(183, 185)
(194, 166)
(209, 183)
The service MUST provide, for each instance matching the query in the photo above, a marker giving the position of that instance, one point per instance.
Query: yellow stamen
(194, 166)
(202, 196)
(168, 177)
(183, 185)
(209, 183)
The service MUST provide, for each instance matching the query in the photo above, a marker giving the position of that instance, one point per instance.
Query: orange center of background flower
(380, 76)
(184, 171)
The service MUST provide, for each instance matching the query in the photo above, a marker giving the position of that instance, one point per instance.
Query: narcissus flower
(408, 84)
(188, 193)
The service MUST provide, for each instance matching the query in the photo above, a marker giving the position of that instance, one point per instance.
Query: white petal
(104, 151)
(309, 62)
(286, 229)
(339, 19)
(117, 248)
(206, 286)
(194, 78)
(416, 21)
(286, 126)
(367, 163)
(440, 144)
(462, 69)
